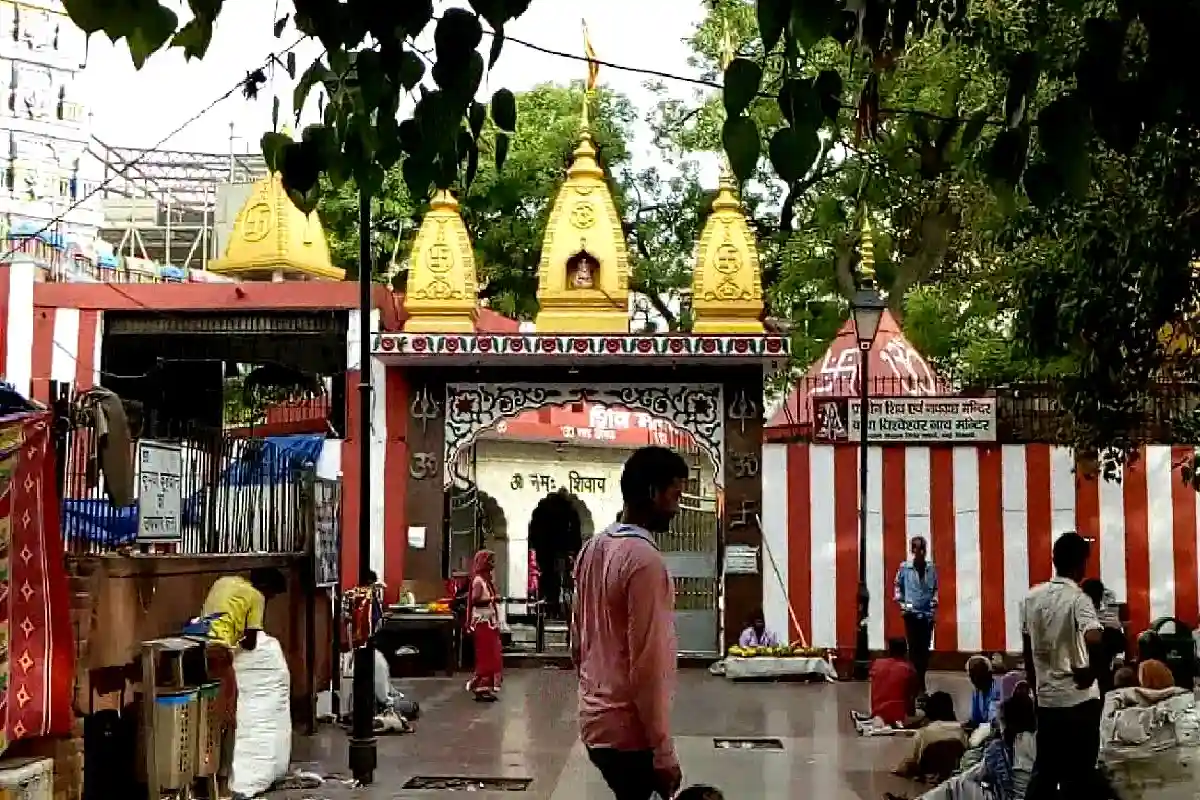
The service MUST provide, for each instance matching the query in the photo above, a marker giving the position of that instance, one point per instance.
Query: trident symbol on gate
(424, 408)
(741, 409)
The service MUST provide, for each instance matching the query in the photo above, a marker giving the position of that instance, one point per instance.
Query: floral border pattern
(472, 408)
(582, 345)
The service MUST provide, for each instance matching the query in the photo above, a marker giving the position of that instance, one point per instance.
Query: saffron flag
(593, 64)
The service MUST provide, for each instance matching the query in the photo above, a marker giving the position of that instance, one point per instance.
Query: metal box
(208, 731)
(27, 779)
(175, 716)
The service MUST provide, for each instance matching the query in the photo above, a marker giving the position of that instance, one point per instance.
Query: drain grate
(748, 744)
(457, 783)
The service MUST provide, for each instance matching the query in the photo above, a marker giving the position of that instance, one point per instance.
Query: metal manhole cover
(748, 744)
(468, 784)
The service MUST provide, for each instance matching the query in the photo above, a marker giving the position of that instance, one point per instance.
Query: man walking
(916, 591)
(1061, 633)
(623, 637)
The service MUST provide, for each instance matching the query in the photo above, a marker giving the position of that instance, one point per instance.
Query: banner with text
(907, 419)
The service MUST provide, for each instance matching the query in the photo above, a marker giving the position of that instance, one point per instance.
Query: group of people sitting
(1076, 719)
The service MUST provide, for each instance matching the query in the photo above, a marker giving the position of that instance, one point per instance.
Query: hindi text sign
(160, 477)
(907, 419)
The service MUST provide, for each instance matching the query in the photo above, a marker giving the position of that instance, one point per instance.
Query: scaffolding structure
(171, 207)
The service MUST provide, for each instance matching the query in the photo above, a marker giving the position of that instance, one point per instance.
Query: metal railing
(237, 495)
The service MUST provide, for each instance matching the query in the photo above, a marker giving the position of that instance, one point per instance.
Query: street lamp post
(867, 306)
(363, 756)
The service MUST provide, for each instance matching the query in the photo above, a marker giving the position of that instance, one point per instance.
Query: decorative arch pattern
(697, 408)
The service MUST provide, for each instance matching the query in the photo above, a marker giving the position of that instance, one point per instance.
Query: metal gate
(690, 549)
(466, 519)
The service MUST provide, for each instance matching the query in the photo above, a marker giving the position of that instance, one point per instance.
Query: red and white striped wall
(990, 515)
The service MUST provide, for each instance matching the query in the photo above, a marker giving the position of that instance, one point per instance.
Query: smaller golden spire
(441, 290)
(867, 250)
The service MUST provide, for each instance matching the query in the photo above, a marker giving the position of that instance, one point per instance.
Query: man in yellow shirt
(233, 616)
(235, 606)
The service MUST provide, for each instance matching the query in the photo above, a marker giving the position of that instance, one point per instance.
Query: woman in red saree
(483, 624)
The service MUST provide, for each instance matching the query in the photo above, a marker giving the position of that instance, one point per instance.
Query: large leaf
(458, 32)
(799, 103)
(273, 145)
(155, 26)
(772, 18)
(504, 110)
(740, 138)
(828, 86)
(793, 152)
(194, 38)
(742, 79)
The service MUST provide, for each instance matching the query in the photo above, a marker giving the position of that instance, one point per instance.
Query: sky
(133, 108)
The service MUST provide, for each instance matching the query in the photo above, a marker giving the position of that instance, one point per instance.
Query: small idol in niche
(581, 270)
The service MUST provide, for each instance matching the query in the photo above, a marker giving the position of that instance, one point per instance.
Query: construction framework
(172, 207)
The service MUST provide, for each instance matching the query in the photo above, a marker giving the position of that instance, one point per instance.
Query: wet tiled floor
(531, 733)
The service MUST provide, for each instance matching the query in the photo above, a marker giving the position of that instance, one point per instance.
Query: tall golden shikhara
(727, 278)
(583, 276)
(272, 240)
(442, 288)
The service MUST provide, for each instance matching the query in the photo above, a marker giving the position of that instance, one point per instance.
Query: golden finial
(867, 250)
(727, 183)
(593, 70)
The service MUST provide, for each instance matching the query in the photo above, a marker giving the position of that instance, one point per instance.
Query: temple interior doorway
(557, 528)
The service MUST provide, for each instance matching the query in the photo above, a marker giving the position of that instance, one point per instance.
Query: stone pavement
(531, 733)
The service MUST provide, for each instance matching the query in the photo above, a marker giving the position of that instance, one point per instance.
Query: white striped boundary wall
(990, 515)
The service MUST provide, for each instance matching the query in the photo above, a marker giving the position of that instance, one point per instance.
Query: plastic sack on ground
(262, 746)
(1150, 743)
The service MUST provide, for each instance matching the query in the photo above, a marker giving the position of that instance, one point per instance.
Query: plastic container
(175, 716)
(208, 730)
(1177, 648)
(27, 778)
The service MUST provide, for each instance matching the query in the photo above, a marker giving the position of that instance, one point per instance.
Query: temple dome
(441, 288)
(727, 292)
(583, 276)
(274, 240)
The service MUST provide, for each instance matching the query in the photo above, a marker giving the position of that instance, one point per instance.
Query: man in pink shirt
(623, 638)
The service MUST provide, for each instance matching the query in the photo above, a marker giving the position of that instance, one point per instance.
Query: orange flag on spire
(593, 64)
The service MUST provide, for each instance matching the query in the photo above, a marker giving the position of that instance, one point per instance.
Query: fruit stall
(783, 662)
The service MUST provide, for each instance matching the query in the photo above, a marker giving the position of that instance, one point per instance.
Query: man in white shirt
(1061, 632)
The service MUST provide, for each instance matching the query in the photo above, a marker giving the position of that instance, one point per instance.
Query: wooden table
(399, 627)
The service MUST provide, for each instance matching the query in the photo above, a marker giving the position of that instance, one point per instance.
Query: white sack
(1150, 743)
(262, 746)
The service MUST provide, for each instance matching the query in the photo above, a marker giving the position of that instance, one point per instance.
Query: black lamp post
(867, 307)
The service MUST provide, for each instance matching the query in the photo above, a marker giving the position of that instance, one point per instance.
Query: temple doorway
(557, 528)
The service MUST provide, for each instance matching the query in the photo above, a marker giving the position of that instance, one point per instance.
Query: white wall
(498, 461)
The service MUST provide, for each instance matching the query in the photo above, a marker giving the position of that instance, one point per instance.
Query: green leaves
(742, 79)
(772, 18)
(504, 110)
(739, 135)
(150, 32)
(793, 151)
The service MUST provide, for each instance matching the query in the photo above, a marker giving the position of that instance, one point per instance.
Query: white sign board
(908, 419)
(160, 478)
(741, 559)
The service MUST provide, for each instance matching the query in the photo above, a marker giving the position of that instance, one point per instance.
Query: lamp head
(867, 307)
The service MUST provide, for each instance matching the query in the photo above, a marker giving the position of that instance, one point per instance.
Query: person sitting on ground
(1125, 678)
(894, 689)
(756, 633)
(985, 694)
(938, 746)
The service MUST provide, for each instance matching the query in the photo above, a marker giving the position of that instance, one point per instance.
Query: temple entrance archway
(709, 386)
(557, 529)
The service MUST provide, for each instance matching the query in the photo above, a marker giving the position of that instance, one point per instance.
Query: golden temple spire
(867, 250)
(442, 288)
(274, 240)
(727, 277)
(583, 277)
